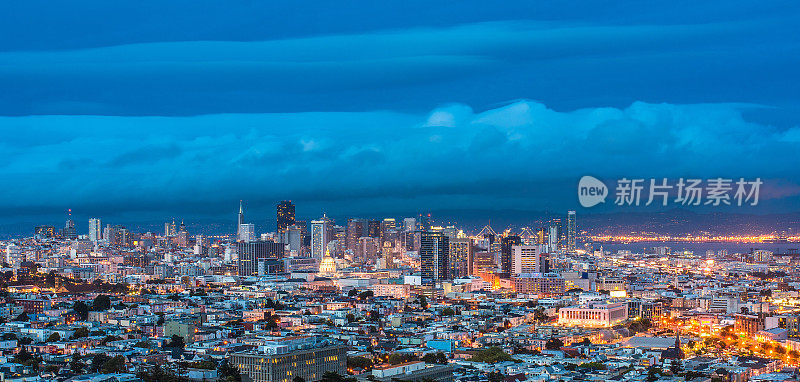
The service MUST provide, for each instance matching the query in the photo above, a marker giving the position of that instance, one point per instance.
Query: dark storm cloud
(569, 64)
(449, 157)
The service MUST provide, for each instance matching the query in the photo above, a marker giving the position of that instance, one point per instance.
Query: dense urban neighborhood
(386, 300)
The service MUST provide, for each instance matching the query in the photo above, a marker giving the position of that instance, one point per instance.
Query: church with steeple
(674, 351)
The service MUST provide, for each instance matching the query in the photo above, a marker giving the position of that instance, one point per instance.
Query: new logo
(591, 191)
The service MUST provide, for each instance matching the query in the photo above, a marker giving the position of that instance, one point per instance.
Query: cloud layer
(522, 156)
(121, 109)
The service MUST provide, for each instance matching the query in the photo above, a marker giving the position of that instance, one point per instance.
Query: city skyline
(412, 191)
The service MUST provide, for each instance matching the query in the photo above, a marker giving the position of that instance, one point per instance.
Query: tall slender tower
(320, 237)
(95, 229)
(240, 221)
(241, 214)
(571, 230)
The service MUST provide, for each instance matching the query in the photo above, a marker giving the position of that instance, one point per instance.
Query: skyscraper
(571, 230)
(461, 255)
(374, 228)
(319, 237)
(425, 222)
(506, 251)
(247, 233)
(529, 259)
(69, 228)
(434, 257)
(285, 214)
(95, 230)
(259, 258)
(554, 235)
(409, 224)
(355, 231)
(169, 229)
(239, 222)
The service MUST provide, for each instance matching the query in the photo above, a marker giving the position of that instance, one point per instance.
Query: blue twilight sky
(139, 111)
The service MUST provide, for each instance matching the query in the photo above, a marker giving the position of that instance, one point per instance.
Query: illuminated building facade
(541, 284)
(434, 257)
(461, 254)
(285, 213)
(571, 231)
(95, 230)
(506, 245)
(284, 359)
(260, 257)
(593, 315)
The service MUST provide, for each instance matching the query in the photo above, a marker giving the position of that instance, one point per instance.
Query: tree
(160, 319)
(553, 344)
(332, 376)
(350, 317)
(23, 356)
(80, 332)
(365, 295)
(492, 355)
(55, 337)
(653, 374)
(496, 376)
(675, 367)
(98, 360)
(298, 378)
(75, 364)
(115, 365)
(175, 342)
(81, 310)
(398, 358)
(22, 317)
(448, 312)
(352, 292)
(101, 303)
(538, 315)
(374, 315)
(439, 358)
(228, 373)
(359, 363)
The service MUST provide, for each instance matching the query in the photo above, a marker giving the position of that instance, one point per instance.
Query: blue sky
(143, 110)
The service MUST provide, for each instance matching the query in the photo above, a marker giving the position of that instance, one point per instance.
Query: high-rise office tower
(95, 230)
(461, 256)
(320, 236)
(355, 230)
(292, 237)
(260, 258)
(388, 230)
(247, 232)
(425, 222)
(170, 230)
(529, 259)
(374, 229)
(554, 235)
(409, 224)
(69, 228)
(434, 257)
(285, 214)
(505, 251)
(571, 230)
